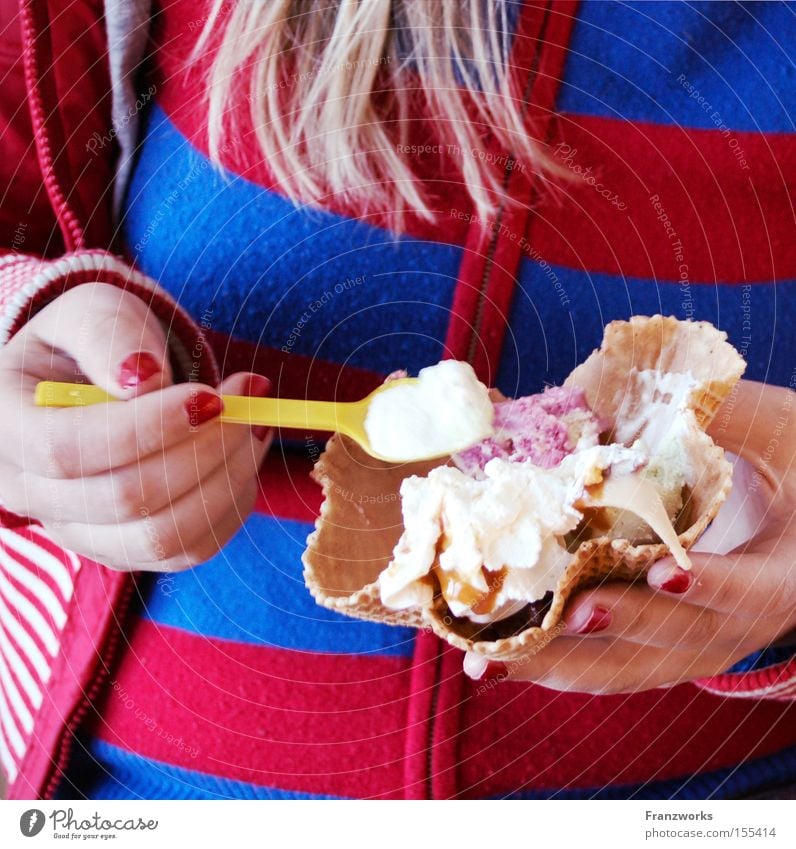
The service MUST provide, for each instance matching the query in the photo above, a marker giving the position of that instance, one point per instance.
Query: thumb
(114, 339)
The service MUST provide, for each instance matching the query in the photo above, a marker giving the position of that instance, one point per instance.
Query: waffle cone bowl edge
(360, 521)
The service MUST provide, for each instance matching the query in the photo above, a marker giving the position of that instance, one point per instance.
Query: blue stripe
(558, 316)
(625, 59)
(765, 658)
(104, 771)
(253, 592)
(253, 265)
(729, 783)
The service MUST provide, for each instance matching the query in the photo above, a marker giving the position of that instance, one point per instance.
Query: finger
(605, 666)
(119, 495)
(204, 548)
(747, 585)
(745, 422)
(81, 441)
(113, 337)
(640, 615)
(172, 532)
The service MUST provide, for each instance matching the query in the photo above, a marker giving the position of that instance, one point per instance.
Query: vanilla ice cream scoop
(447, 409)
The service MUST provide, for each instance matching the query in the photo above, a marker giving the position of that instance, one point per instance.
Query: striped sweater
(227, 680)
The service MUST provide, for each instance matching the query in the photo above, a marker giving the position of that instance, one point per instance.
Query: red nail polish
(202, 407)
(136, 369)
(260, 432)
(599, 619)
(496, 669)
(678, 582)
(257, 386)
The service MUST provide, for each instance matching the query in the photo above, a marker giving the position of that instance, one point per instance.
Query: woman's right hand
(156, 483)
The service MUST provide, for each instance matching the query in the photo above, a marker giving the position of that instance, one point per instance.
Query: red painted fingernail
(257, 386)
(202, 407)
(496, 669)
(678, 582)
(137, 368)
(599, 619)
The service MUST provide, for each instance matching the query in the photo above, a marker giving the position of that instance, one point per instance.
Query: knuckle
(783, 599)
(640, 621)
(725, 594)
(703, 629)
(59, 460)
(128, 492)
(149, 436)
(157, 540)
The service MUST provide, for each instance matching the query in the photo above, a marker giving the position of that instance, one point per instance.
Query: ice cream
(492, 545)
(543, 428)
(651, 390)
(446, 410)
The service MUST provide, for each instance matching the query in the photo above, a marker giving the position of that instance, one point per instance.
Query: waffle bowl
(360, 521)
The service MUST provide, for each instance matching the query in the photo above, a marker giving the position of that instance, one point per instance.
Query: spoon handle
(238, 409)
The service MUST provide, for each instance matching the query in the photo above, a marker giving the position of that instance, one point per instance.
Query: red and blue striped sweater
(227, 680)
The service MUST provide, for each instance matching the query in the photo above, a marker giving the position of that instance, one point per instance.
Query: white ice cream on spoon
(446, 410)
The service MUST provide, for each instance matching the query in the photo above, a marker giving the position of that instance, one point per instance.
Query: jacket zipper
(471, 350)
(108, 655)
(34, 38)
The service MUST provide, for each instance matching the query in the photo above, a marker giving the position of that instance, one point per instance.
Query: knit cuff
(28, 284)
(777, 682)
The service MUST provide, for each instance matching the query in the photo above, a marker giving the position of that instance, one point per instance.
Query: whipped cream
(494, 544)
(446, 410)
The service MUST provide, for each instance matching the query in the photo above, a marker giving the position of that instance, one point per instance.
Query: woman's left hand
(622, 638)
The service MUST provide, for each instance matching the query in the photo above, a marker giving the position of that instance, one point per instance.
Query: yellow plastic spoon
(340, 417)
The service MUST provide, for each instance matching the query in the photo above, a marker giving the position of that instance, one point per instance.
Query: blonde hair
(330, 98)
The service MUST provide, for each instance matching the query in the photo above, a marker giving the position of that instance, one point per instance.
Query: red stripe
(37, 536)
(287, 491)
(294, 375)
(25, 625)
(35, 569)
(735, 224)
(37, 681)
(308, 722)
(533, 737)
(37, 605)
(99, 591)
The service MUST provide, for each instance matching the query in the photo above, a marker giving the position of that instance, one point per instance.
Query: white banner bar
(384, 825)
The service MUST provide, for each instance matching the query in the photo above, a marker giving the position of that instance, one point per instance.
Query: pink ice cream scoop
(542, 428)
